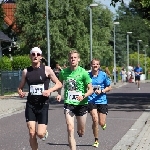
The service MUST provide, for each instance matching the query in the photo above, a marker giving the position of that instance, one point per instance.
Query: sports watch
(102, 91)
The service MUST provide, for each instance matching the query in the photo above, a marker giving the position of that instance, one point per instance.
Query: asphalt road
(126, 104)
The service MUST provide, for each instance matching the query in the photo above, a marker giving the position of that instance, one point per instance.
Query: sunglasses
(36, 54)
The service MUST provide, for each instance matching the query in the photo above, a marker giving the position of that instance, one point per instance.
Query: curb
(142, 139)
(130, 140)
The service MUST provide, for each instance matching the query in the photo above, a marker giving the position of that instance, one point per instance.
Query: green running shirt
(75, 84)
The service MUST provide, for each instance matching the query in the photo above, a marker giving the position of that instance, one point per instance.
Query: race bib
(72, 95)
(36, 89)
(96, 87)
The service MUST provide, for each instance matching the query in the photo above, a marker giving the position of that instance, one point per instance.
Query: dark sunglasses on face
(36, 54)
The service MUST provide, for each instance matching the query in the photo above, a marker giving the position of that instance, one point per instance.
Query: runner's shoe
(104, 127)
(96, 144)
(46, 135)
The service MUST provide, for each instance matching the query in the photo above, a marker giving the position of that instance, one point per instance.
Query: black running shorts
(101, 108)
(37, 113)
(137, 78)
(77, 110)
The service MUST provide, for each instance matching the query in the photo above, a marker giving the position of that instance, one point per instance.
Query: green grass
(9, 93)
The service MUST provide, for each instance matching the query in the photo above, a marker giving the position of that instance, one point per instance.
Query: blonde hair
(95, 59)
(74, 51)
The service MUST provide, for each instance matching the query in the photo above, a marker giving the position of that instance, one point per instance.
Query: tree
(131, 21)
(113, 2)
(69, 28)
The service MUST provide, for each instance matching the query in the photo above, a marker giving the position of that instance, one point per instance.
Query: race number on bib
(72, 95)
(36, 89)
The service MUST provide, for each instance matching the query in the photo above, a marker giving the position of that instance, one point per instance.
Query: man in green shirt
(77, 87)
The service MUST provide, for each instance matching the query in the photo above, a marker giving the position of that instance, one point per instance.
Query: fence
(9, 81)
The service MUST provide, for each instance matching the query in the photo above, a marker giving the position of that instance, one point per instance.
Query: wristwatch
(102, 91)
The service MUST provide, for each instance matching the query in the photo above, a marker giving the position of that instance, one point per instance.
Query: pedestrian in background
(138, 71)
(108, 73)
(57, 70)
(123, 74)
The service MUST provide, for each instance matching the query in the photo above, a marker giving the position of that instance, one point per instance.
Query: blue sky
(107, 3)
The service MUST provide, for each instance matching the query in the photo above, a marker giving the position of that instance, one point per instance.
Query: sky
(107, 3)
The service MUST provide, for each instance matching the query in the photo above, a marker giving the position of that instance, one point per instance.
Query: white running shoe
(46, 135)
(139, 88)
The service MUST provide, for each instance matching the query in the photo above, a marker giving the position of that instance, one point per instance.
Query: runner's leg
(32, 133)
(70, 128)
(81, 121)
(94, 116)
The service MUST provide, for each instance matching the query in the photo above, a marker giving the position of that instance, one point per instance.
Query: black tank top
(35, 77)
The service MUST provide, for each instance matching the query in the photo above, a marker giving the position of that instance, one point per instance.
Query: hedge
(5, 63)
(16, 63)
(20, 62)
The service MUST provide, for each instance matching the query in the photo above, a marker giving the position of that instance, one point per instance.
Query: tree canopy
(69, 28)
(130, 21)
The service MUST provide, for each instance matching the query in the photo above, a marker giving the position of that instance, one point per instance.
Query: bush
(5, 63)
(20, 62)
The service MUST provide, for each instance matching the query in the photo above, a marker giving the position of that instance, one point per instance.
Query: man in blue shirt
(138, 71)
(97, 101)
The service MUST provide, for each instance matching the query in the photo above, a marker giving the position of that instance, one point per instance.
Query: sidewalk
(137, 137)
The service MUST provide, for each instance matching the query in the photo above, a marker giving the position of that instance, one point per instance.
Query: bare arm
(141, 72)
(59, 90)
(107, 89)
(22, 83)
(89, 91)
(54, 79)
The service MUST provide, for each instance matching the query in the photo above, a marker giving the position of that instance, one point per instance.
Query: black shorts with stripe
(77, 110)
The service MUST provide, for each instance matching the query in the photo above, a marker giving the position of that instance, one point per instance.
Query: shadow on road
(120, 101)
(128, 101)
(65, 144)
(57, 144)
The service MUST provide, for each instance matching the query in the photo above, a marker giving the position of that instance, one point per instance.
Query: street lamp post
(138, 41)
(115, 23)
(90, 8)
(128, 50)
(48, 36)
(145, 60)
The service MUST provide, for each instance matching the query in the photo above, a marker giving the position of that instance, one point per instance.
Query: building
(8, 7)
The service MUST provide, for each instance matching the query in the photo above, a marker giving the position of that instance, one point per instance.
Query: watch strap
(102, 91)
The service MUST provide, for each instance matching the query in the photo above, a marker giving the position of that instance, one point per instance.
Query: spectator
(44, 61)
(123, 75)
(107, 72)
(57, 70)
(116, 74)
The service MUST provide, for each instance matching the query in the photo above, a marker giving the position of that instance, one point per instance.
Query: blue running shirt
(138, 69)
(99, 82)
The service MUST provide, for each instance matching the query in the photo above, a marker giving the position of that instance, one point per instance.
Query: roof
(9, 10)
(4, 37)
